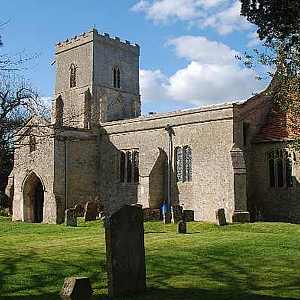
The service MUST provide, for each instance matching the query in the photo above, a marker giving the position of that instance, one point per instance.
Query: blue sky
(187, 46)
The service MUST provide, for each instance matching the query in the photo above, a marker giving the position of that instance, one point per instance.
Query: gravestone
(125, 252)
(181, 227)
(90, 211)
(76, 288)
(71, 217)
(220, 216)
(79, 210)
(167, 217)
(177, 214)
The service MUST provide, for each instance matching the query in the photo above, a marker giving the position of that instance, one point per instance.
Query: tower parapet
(93, 35)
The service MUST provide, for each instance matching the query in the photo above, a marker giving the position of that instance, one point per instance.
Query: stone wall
(75, 168)
(39, 162)
(209, 132)
(273, 204)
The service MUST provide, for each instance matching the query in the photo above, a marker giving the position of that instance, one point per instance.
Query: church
(98, 147)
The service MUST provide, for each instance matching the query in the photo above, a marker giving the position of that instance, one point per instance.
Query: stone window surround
(123, 177)
(284, 155)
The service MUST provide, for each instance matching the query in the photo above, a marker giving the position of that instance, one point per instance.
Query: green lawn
(250, 261)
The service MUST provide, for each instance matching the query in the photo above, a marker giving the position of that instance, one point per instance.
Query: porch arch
(33, 198)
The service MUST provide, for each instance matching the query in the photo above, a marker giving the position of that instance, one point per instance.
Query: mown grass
(249, 261)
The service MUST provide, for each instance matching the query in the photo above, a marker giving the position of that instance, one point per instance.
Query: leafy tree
(276, 19)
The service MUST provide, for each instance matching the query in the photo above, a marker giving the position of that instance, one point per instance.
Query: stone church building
(98, 147)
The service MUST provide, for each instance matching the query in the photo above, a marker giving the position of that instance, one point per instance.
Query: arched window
(72, 76)
(32, 143)
(59, 111)
(178, 163)
(116, 78)
(187, 164)
(280, 169)
(183, 163)
(129, 166)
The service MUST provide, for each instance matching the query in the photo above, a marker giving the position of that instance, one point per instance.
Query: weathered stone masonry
(97, 147)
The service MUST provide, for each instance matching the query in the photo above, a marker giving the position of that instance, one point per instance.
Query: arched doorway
(33, 197)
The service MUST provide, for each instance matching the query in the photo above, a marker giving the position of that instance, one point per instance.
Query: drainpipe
(170, 131)
(66, 175)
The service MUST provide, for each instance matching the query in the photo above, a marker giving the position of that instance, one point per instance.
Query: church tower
(97, 80)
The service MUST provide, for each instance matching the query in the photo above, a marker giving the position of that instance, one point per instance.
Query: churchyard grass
(246, 261)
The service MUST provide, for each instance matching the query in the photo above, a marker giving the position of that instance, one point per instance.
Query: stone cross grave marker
(76, 288)
(90, 211)
(220, 216)
(125, 252)
(71, 217)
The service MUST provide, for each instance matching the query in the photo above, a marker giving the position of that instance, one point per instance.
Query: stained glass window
(179, 163)
(189, 163)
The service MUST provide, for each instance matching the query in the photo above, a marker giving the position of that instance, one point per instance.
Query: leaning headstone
(71, 217)
(76, 288)
(181, 227)
(220, 216)
(125, 252)
(90, 211)
(79, 210)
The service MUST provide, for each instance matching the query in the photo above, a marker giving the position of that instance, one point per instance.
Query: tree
(18, 102)
(276, 19)
(278, 28)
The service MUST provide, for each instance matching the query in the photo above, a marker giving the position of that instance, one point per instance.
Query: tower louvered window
(116, 78)
(72, 76)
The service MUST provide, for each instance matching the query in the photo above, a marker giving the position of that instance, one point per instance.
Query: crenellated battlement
(94, 35)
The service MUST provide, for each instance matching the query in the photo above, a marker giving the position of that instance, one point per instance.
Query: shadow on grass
(167, 294)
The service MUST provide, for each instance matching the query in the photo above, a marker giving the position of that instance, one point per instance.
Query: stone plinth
(241, 217)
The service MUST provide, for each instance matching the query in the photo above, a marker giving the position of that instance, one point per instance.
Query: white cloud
(222, 15)
(228, 20)
(212, 75)
(202, 50)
